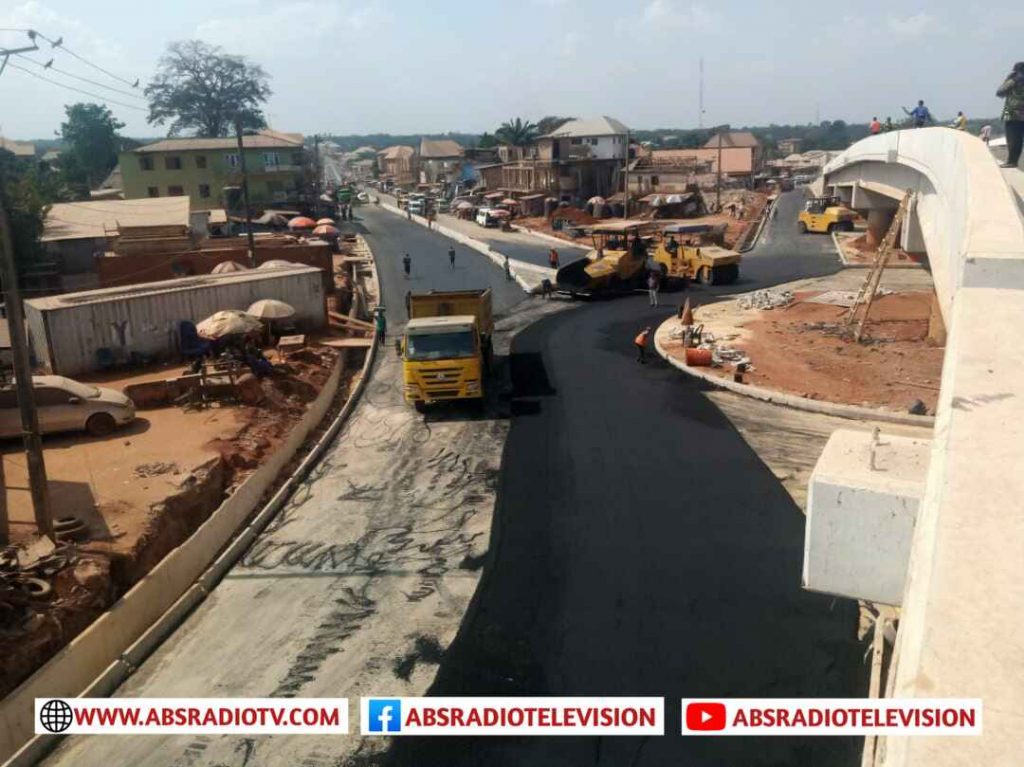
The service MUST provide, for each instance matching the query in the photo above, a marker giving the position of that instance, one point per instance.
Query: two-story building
(579, 160)
(398, 165)
(203, 168)
(440, 161)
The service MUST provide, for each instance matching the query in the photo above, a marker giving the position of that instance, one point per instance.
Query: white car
(66, 405)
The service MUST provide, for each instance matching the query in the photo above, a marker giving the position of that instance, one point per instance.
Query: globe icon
(55, 715)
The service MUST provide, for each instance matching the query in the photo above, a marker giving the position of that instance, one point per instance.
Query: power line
(59, 43)
(77, 90)
(83, 79)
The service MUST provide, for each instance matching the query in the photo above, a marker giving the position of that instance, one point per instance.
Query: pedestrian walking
(508, 270)
(1012, 90)
(959, 122)
(451, 256)
(553, 258)
(919, 115)
(545, 288)
(382, 325)
(640, 342)
(653, 283)
(775, 210)
(875, 127)
(985, 134)
(407, 265)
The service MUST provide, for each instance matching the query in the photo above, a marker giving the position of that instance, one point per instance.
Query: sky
(369, 66)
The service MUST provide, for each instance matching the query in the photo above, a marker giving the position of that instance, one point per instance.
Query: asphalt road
(640, 547)
(391, 237)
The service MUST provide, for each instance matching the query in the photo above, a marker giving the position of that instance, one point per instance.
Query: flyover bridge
(963, 603)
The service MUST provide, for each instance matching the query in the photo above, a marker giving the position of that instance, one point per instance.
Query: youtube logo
(705, 716)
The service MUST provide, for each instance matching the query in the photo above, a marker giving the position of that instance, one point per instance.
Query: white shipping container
(66, 331)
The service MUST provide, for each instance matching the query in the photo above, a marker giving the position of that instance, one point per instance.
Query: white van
(484, 217)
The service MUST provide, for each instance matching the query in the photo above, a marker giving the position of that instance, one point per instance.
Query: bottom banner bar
(512, 716)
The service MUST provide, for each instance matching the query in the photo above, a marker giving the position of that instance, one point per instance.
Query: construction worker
(875, 127)
(919, 115)
(545, 288)
(382, 325)
(451, 256)
(407, 265)
(888, 126)
(553, 258)
(640, 342)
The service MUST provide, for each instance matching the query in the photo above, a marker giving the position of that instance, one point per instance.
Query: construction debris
(155, 469)
(766, 299)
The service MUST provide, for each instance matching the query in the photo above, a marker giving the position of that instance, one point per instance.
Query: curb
(853, 412)
(497, 257)
(765, 215)
(549, 238)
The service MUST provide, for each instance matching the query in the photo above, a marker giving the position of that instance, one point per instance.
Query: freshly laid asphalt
(640, 547)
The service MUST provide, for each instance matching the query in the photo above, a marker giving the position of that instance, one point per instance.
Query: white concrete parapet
(861, 506)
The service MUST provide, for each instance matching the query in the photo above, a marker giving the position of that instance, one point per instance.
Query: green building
(202, 168)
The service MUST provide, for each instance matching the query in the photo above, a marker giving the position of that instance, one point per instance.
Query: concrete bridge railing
(963, 606)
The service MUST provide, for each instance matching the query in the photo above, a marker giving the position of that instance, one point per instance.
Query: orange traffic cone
(686, 315)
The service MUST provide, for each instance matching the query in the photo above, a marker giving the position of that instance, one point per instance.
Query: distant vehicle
(446, 350)
(485, 217)
(363, 197)
(66, 405)
(825, 214)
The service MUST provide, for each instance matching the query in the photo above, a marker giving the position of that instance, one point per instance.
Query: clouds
(914, 26)
(669, 14)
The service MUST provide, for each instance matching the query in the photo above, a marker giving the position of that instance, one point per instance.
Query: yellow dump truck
(617, 262)
(825, 214)
(446, 349)
(689, 252)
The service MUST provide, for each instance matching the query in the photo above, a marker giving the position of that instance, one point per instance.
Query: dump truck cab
(616, 263)
(825, 214)
(446, 349)
(693, 252)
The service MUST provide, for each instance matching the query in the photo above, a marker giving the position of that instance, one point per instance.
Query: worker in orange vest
(553, 259)
(641, 345)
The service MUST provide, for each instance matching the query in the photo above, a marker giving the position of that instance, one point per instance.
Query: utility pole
(23, 380)
(316, 175)
(718, 174)
(700, 96)
(245, 194)
(625, 188)
(6, 53)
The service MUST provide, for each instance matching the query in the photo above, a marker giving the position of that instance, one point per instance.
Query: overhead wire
(78, 77)
(30, 73)
(97, 67)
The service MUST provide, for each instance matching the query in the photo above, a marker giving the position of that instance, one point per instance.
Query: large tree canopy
(24, 191)
(91, 144)
(202, 89)
(517, 132)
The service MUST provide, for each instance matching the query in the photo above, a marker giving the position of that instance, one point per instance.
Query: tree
(24, 192)
(551, 123)
(91, 144)
(517, 132)
(487, 141)
(200, 88)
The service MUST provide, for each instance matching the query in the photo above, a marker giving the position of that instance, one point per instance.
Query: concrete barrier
(98, 660)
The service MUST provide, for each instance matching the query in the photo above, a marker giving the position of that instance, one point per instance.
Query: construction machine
(825, 214)
(446, 350)
(617, 262)
(693, 252)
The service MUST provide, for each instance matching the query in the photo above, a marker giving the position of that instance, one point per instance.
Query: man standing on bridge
(919, 115)
(1012, 90)
(451, 255)
(875, 127)
(407, 265)
(641, 345)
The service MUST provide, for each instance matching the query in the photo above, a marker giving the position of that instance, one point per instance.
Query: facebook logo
(384, 715)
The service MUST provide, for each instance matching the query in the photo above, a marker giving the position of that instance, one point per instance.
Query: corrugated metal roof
(106, 295)
(734, 138)
(18, 148)
(436, 148)
(594, 126)
(262, 140)
(91, 220)
(397, 152)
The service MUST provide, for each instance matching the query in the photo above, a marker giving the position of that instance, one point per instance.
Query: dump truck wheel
(802, 227)
(100, 424)
(704, 275)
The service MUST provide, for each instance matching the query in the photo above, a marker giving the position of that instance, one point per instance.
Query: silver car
(66, 405)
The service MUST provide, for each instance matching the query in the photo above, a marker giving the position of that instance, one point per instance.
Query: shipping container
(67, 331)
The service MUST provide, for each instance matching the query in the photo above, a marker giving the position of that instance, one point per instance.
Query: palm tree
(517, 132)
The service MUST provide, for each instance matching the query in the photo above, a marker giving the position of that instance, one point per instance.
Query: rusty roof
(266, 139)
(18, 148)
(438, 148)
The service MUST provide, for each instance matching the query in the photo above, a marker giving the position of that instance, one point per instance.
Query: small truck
(446, 350)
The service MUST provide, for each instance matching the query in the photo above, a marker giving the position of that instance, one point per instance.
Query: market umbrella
(509, 201)
(596, 200)
(325, 230)
(277, 263)
(229, 266)
(325, 221)
(464, 205)
(500, 213)
(229, 322)
(301, 222)
(271, 309)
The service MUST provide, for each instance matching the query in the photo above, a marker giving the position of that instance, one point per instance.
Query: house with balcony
(209, 171)
(579, 160)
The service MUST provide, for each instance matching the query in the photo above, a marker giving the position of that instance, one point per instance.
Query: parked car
(485, 217)
(66, 405)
